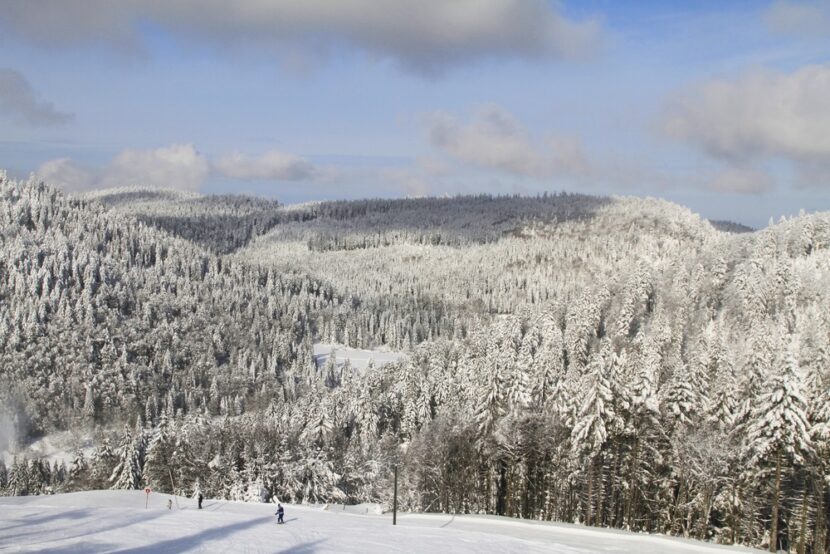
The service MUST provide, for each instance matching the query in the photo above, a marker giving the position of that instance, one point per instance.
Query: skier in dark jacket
(199, 498)
(280, 513)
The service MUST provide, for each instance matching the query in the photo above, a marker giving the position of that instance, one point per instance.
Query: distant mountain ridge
(730, 226)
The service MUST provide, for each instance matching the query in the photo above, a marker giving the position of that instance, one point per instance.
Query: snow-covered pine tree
(820, 437)
(594, 425)
(101, 465)
(779, 434)
(159, 459)
(78, 471)
(127, 473)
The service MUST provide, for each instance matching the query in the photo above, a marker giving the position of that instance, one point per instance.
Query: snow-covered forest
(615, 362)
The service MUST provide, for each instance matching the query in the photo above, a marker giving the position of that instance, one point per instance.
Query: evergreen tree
(779, 433)
(159, 459)
(130, 455)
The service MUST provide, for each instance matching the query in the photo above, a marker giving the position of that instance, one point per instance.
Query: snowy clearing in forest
(359, 359)
(107, 521)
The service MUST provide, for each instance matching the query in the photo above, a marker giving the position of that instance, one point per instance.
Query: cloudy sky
(721, 106)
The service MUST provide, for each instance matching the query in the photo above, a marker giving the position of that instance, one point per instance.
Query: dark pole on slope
(395, 499)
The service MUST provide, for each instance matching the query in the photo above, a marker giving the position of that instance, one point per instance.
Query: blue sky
(719, 106)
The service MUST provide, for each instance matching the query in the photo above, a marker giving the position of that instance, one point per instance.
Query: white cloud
(569, 158)
(19, 101)
(426, 36)
(272, 165)
(760, 116)
(742, 180)
(178, 166)
(810, 19)
(64, 173)
(493, 139)
(412, 181)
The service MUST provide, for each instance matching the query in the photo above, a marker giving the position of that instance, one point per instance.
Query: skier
(280, 513)
(169, 503)
(199, 498)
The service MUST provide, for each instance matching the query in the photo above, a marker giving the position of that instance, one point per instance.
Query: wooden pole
(395, 499)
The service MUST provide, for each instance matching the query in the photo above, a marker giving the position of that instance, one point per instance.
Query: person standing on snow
(199, 498)
(280, 513)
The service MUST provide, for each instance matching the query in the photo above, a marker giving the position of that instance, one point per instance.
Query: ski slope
(117, 521)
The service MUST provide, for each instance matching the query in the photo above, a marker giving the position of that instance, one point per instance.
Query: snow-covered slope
(107, 521)
(358, 358)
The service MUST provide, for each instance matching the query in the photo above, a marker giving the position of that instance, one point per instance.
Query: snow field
(358, 359)
(117, 521)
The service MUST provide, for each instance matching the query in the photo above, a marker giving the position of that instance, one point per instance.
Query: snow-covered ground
(358, 359)
(108, 521)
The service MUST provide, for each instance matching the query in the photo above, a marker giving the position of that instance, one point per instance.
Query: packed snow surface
(117, 521)
(358, 359)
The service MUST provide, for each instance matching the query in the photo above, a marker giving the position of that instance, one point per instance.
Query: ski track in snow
(116, 521)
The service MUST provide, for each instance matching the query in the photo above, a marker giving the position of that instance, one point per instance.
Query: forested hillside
(477, 257)
(103, 318)
(220, 224)
(609, 361)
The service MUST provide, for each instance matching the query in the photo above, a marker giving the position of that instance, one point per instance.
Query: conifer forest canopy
(614, 362)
